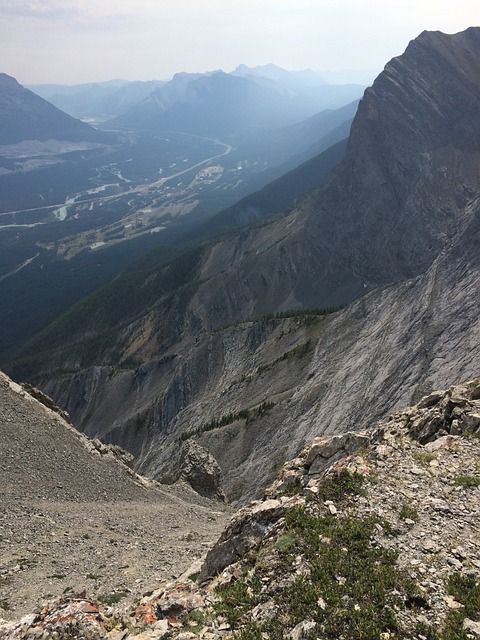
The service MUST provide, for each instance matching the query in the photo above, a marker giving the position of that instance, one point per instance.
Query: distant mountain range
(26, 116)
(212, 103)
(102, 100)
(238, 104)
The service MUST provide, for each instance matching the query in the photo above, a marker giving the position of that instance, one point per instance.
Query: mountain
(101, 100)
(194, 350)
(71, 505)
(306, 83)
(26, 116)
(39, 290)
(362, 535)
(224, 105)
(295, 80)
(277, 195)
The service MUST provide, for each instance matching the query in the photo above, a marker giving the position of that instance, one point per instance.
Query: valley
(145, 203)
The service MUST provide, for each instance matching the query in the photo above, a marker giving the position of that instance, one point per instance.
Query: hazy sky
(73, 41)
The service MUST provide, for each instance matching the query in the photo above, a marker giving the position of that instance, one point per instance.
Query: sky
(76, 41)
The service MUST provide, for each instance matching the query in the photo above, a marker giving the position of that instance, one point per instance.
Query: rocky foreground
(365, 535)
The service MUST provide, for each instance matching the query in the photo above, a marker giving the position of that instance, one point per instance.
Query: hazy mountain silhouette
(26, 116)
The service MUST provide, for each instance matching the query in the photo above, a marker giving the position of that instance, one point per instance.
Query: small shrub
(189, 537)
(285, 542)
(112, 598)
(237, 598)
(408, 513)
(465, 590)
(351, 590)
(342, 485)
(467, 481)
(425, 458)
(192, 621)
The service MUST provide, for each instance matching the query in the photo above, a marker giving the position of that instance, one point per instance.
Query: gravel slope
(72, 517)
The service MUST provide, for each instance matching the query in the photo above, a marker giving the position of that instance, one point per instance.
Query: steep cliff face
(314, 374)
(400, 215)
(411, 166)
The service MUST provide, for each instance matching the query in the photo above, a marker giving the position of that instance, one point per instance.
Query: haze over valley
(153, 172)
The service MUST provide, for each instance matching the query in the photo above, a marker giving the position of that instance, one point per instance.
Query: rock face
(386, 537)
(400, 215)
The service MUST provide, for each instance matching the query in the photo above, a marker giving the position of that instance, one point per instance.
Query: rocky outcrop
(438, 416)
(386, 538)
(199, 468)
(245, 533)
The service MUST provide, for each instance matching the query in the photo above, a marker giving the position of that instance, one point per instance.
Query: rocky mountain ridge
(400, 214)
(371, 534)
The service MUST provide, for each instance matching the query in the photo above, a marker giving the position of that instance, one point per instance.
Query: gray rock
(245, 532)
(200, 469)
(327, 449)
(472, 627)
(431, 400)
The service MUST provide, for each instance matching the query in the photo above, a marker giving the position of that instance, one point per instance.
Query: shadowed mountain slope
(26, 116)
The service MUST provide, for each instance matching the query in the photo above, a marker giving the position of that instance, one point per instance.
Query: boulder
(199, 468)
